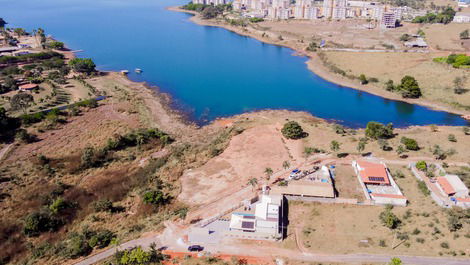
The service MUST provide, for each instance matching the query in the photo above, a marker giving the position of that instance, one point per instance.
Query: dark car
(195, 248)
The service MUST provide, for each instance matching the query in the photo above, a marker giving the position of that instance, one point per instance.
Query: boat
(124, 72)
(138, 70)
(467, 117)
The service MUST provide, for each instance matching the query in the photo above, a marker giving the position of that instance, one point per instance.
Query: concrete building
(305, 9)
(264, 223)
(462, 17)
(210, 2)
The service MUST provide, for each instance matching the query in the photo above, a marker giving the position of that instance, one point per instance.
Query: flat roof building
(452, 185)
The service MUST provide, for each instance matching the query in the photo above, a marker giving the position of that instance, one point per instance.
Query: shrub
(103, 206)
(410, 144)
(423, 188)
(39, 222)
(452, 138)
(389, 219)
(155, 197)
(363, 79)
(102, 239)
(56, 45)
(377, 130)
(82, 65)
(23, 136)
(444, 245)
(420, 240)
(409, 87)
(292, 130)
(421, 165)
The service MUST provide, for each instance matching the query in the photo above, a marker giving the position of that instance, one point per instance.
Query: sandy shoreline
(315, 65)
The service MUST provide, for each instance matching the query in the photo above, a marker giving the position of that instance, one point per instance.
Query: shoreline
(315, 65)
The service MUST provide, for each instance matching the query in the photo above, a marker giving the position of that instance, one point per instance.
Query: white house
(462, 17)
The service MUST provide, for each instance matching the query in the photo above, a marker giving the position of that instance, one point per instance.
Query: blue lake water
(210, 72)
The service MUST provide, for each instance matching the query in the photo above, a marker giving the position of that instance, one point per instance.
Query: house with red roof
(378, 183)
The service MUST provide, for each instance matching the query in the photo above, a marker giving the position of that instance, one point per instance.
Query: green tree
(464, 35)
(268, 171)
(395, 261)
(410, 144)
(389, 219)
(84, 65)
(377, 130)
(409, 87)
(19, 31)
(21, 101)
(155, 197)
(292, 130)
(389, 86)
(56, 45)
(253, 182)
(421, 165)
(363, 79)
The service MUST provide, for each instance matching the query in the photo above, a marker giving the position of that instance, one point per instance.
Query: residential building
(210, 2)
(452, 186)
(417, 43)
(264, 223)
(335, 9)
(388, 20)
(462, 17)
(378, 184)
(463, 3)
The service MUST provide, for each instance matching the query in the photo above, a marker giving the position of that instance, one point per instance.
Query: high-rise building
(389, 20)
(335, 9)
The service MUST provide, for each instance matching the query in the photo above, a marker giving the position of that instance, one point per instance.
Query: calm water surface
(210, 72)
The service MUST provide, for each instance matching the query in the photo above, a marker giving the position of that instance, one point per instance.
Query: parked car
(195, 248)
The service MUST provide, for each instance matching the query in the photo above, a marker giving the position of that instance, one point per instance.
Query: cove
(209, 72)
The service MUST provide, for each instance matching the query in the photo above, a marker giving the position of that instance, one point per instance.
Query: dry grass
(347, 184)
(435, 79)
(445, 37)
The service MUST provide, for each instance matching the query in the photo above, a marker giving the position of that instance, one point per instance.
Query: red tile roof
(445, 185)
(373, 173)
(463, 199)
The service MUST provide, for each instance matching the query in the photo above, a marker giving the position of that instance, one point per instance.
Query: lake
(209, 72)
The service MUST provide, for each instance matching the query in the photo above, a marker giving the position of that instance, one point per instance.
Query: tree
(421, 165)
(155, 197)
(389, 86)
(409, 87)
(253, 182)
(19, 31)
(389, 219)
(459, 85)
(292, 130)
(286, 164)
(211, 12)
(56, 45)
(84, 65)
(268, 171)
(2, 23)
(363, 79)
(464, 35)
(334, 146)
(405, 37)
(376, 130)
(410, 144)
(395, 261)
(21, 101)
(466, 130)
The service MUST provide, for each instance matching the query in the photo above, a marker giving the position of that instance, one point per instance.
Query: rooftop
(373, 173)
(445, 185)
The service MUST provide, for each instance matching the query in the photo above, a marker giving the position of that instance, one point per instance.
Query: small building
(317, 184)
(462, 17)
(28, 87)
(463, 3)
(452, 186)
(418, 43)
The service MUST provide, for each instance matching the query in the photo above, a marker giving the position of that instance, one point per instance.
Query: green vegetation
(41, 221)
(377, 130)
(292, 130)
(312, 46)
(335, 146)
(21, 101)
(421, 165)
(410, 144)
(256, 20)
(156, 197)
(423, 188)
(409, 87)
(82, 65)
(208, 11)
(456, 60)
(81, 244)
(138, 256)
(405, 37)
(56, 45)
(445, 17)
(363, 79)
(389, 219)
(30, 58)
(464, 35)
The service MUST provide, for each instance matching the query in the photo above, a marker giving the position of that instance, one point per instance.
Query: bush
(156, 197)
(363, 79)
(409, 87)
(56, 45)
(23, 136)
(377, 130)
(452, 138)
(256, 20)
(421, 165)
(423, 188)
(410, 144)
(103, 206)
(444, 245)
(389, 219)
(101, 239)
(39, 222)
(82, 65)
(292, 130)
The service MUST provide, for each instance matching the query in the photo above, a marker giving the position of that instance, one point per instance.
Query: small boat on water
(124, 72)
(138, 70)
